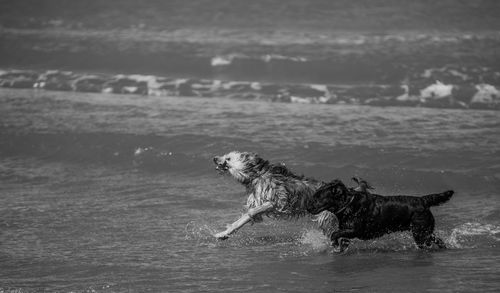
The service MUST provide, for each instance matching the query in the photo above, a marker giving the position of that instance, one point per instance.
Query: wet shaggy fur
(366, 216)
(274, 186)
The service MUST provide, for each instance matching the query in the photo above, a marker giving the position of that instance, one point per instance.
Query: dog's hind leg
(423, 231)
(438, 241)
(257, 211)
(422, 238)
(425, 239)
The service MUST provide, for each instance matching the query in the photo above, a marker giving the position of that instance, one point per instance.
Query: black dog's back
(380, 215)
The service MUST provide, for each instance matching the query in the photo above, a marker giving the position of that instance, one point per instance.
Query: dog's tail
(437, 198)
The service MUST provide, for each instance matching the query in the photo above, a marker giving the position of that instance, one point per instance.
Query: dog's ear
(337, 186)
(334, 189)
(259, 161)
(246, 155)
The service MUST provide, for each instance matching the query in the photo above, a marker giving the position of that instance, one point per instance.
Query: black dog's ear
(336, 185)
(324, 188)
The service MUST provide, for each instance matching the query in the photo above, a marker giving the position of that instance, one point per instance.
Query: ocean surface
(118, 193)
(416, 68)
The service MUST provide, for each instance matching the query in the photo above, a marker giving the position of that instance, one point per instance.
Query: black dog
(366, 216)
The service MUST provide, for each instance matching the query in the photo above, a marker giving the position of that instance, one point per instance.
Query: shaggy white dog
(272, 190)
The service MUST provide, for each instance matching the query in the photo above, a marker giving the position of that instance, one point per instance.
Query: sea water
(118, 193)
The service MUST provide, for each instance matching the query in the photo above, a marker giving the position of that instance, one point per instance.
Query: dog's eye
(228, 159)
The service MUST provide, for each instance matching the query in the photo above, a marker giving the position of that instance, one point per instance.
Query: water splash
(315, 239)
(201, 233)
(467, 234)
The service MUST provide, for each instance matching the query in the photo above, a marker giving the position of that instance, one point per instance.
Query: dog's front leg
(340, 240)
(244, 219)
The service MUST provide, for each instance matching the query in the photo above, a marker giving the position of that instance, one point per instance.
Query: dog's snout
(219, 161)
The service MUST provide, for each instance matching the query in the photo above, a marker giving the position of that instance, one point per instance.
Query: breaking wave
(446, 87)
(442, 70)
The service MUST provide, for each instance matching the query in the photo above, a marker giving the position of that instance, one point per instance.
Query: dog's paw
(340, 249)
(337, 249)
(342, 246)
(221, 236)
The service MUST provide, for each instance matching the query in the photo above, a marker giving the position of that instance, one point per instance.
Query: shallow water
(80, 212)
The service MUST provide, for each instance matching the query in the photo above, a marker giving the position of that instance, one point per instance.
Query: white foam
(256, 86)
(486, 94)
(299, 100)
(324, 100)
(149, 79)
(130, 89)
(437, 90)
(320, 87)
(270, 57)
(350, 40)
(222, 60)
(140, 150)
(39, 85)
(457, 73)
(180, 81)
(428, 73)
(107, 90)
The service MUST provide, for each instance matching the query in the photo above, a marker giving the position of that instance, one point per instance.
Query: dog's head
(331, 197)
(241, 165)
